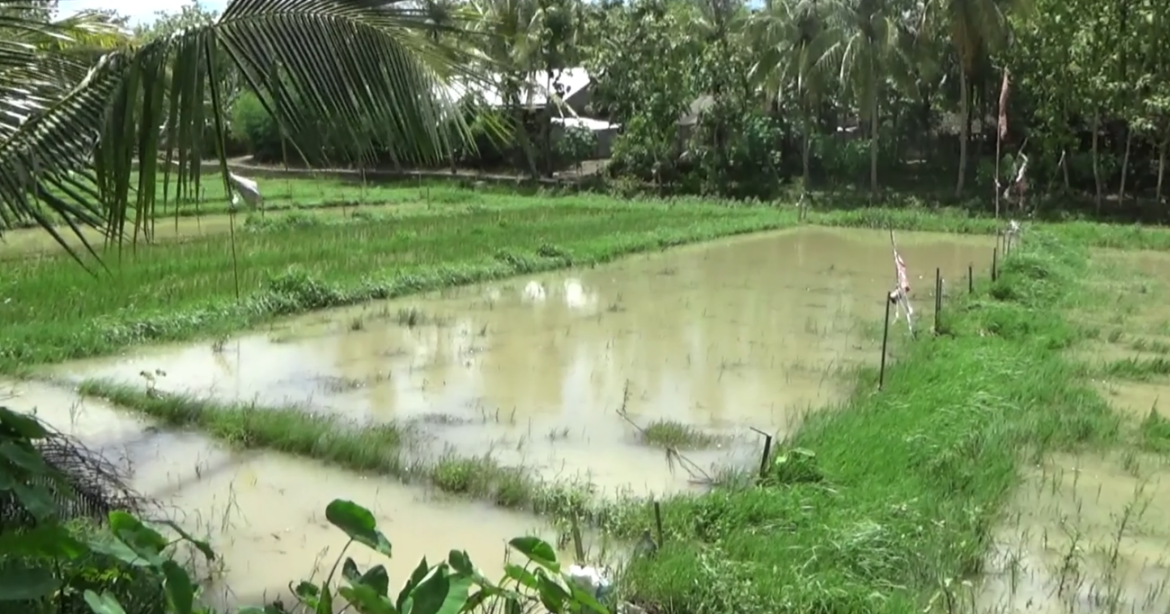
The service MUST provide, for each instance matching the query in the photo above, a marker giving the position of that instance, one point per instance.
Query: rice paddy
(429, 343)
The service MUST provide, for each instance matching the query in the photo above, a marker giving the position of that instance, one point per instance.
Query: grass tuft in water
(1154, 431)
(1137, 369)
(373, 448)
(671, 434)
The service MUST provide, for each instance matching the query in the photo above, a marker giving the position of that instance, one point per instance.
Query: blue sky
(139, 11)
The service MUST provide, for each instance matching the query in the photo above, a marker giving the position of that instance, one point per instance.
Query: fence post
(885, 341)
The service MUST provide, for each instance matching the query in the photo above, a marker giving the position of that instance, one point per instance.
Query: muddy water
(1084, 534)
(264, 513)
(721, 336)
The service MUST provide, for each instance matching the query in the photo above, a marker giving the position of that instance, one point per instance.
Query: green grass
(380, 449)
(1135, 369)
(911, 479)
(671, 434)
(283, 193)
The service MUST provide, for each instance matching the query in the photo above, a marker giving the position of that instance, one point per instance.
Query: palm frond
(369, 66)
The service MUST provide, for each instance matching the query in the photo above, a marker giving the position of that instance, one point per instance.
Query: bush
(255, 129)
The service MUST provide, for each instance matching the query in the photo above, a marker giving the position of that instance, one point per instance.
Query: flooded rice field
(263, 513)
(1090, 532)
(1084, 534)
(750, 332)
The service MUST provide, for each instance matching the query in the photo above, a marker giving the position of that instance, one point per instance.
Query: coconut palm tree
(69, 156)
(976, 28)
(792, 37)
(867, 49)
(509, 49)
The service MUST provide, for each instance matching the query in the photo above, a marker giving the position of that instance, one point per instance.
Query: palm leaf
(368, 66)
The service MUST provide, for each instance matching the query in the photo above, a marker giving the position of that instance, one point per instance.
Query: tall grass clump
(899, 489)
(379, 449)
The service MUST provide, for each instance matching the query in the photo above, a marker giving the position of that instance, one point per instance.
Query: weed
(679, 436)
(373, 448)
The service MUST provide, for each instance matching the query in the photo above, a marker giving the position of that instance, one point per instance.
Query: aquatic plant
(382, 448)
(665, 433)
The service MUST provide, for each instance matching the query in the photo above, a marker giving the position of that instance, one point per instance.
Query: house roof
(574, 80)
(588, 123)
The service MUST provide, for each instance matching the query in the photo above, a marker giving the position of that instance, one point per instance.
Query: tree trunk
(1125, 165)
(873, 147)
(964, 130)
(1096, 163)
(998, 145)
(1161, 168)
(806, 155)
(1064, 168)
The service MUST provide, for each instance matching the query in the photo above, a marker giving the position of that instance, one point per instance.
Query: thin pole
(885, 342)
(937, 296)
(767, 453)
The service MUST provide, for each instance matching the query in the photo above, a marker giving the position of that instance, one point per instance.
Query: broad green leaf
(143, 540)
(36, 499)
(366, 600)
(307, 593)
(120, 550)
(23, 426)
(416, 576)
(585, 599)
(104, 603)
(180, 590)
(49, 540)
(350, 571)
(440, 593)
(460, 562)
(21, 583)
(538, 551)
(522, 576)
(378, 579)
(553, 596)
(24, 456)
(325, 604)
(358, 523)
